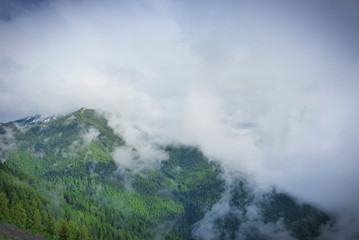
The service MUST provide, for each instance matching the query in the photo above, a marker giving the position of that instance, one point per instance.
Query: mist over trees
(61, 182)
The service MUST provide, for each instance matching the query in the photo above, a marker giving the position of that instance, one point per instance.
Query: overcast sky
(268, 87)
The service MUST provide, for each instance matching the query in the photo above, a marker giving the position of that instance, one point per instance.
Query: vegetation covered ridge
(58, 179)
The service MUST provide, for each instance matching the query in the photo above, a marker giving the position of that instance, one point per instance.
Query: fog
(267, 87)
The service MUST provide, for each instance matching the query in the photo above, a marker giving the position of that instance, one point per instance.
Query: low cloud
(7, 142)
(343, 228)
(90, 135)
(141, 151)
(125, 156)
(225, 221)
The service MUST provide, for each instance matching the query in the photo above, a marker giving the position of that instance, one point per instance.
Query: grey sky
(269, 87)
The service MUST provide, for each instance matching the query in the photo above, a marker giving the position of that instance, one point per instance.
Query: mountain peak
(36, 119)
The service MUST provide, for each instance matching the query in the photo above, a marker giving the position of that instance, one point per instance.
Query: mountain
(34, 120)
(59, 179)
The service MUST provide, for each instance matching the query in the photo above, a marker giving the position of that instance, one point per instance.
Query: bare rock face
(11, 232)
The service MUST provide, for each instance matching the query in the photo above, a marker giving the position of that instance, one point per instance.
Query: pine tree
(64, 233)
(73, 230)
(13, 199)
(4, 209)
(37, 221)
(19, 215)
(83, 233)
(50, 225)
(31, 208)
(100, 234)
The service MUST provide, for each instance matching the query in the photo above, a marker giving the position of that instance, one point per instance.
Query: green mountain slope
(60, 177)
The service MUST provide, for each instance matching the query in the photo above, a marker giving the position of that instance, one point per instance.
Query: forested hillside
(58, 179)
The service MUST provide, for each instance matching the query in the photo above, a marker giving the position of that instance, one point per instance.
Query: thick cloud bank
(268, 87)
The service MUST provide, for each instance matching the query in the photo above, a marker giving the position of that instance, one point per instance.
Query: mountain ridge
(72, 158)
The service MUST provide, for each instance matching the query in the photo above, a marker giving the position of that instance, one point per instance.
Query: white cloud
(90, 135)
(141, 151)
